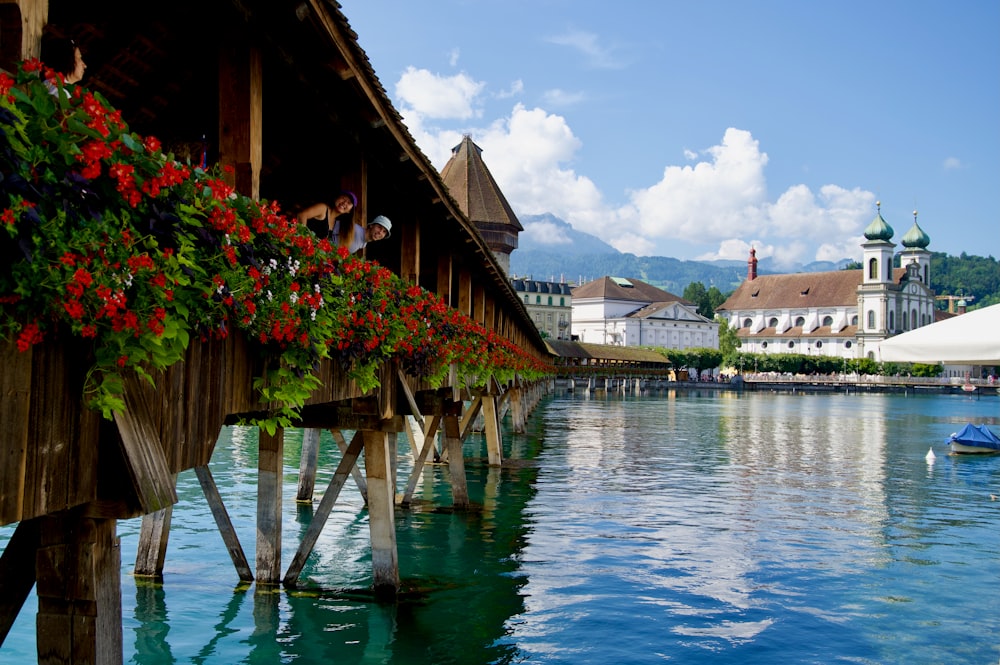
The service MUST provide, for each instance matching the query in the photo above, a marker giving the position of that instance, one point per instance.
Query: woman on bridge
(341, 229)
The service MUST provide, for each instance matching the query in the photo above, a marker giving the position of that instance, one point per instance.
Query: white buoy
(930, 456)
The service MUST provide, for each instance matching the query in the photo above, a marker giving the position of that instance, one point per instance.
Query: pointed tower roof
(472, 186)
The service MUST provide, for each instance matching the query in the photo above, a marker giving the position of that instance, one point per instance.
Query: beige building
(843, 313)
(549, 304)
(628, 312)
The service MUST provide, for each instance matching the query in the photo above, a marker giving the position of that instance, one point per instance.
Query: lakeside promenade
(774, 382)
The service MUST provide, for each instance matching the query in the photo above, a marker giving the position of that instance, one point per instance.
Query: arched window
(873, 269)
(538, 300)
(854, 320)
(847, 344)
(800, 321)
(819, 344)
(772, 322)
(747, 322)
(827, 320)
(871, 319)
(892, 321)
(550, 300)
(913, 319)
(791, 344)
(527, 299)
(562, 302)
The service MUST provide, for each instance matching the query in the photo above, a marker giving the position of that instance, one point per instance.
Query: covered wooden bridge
(282, 93)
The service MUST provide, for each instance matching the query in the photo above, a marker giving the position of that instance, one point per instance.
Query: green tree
(729, 343)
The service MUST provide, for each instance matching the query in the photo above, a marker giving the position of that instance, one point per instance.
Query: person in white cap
(380, 228)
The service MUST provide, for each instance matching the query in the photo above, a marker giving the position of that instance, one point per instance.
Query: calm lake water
(687, 527)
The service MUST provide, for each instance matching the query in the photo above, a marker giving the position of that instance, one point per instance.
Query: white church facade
(843, 313)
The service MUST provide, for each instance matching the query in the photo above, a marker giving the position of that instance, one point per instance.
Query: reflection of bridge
(326, 123)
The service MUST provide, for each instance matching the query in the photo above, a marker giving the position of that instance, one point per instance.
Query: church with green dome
(843, 313)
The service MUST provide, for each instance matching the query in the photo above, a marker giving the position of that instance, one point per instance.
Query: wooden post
(222, 521)
(241, 116)
(154, 535)
(456, 463)
(491, 426)
(307, 464)
(517, 416)
(78, 569)
(381, 518)
(269, 466)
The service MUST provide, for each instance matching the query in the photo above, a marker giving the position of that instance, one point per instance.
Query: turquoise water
(673, 527)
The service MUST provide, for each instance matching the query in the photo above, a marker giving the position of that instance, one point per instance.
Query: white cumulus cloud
(434, 96)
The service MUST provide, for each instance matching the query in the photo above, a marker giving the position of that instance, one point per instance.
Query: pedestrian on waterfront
(65, 59)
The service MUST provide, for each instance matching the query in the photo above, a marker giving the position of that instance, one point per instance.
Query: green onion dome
(916, 237)
(879, 229)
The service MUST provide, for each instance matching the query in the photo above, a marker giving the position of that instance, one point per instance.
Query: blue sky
(698, 129)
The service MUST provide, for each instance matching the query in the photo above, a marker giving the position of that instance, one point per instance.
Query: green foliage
(966, 275)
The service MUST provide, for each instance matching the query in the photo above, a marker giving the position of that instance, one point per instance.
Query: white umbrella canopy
(972, 338)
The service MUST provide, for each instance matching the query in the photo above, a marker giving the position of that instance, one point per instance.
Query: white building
(843, 313)
(628, 312)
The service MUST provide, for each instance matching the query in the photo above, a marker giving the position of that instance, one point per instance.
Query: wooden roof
(617, 288)
(804, 290)
(585, 350)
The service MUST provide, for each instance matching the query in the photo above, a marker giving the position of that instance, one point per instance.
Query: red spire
(752, 265)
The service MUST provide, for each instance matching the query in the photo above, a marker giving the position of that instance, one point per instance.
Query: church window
(871, 319)
(854, 320)
(800, 321)
(892, 321)
(847, 344)
(873, 269)
(827, 320)
(772, 322)
(913, 318)
(791, 344)
(819, 344)
(747, 322)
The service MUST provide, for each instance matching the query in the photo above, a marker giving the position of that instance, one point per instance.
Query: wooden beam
(17, 573)
(222, 521)
(241, 116)
(418, 464)
(322, 514)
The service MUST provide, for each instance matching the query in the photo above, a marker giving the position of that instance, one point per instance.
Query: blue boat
(974, 439)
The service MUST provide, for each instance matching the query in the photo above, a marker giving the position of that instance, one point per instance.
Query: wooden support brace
(222, 521)
(359, 478)
(347, 464)
(17, 573)
(418, 464)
